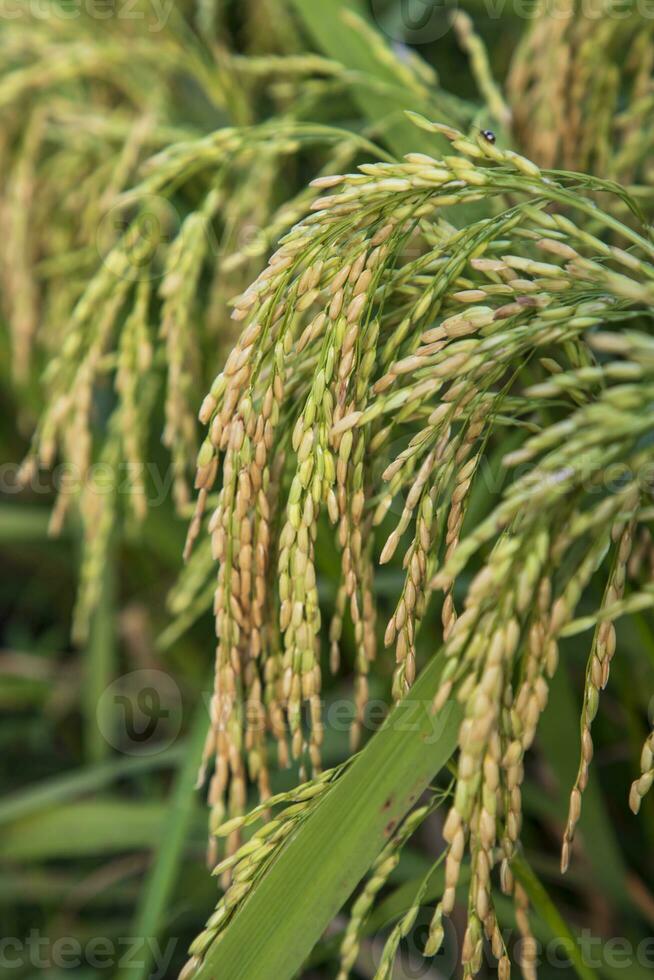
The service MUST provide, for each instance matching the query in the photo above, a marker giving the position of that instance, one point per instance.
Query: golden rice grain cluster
(378, 323)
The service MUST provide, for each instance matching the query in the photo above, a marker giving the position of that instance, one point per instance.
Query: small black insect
(488, 135)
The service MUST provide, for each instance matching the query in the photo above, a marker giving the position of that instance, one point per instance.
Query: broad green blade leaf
(279, 923)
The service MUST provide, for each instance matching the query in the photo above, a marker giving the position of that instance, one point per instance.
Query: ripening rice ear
(381, 413)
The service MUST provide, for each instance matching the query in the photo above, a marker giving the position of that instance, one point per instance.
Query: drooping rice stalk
(142, 193)
(580, 87)
(378, 323)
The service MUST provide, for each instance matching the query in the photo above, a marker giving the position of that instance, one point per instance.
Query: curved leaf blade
(278, 924)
